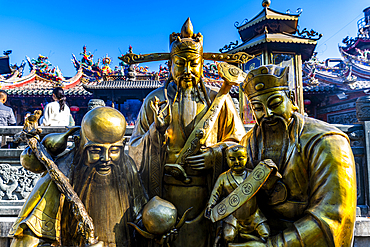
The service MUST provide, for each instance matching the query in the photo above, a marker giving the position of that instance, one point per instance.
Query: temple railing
(10, 168)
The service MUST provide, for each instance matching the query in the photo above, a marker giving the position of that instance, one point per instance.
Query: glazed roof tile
(35, 85)
(273, 38)
(319, 88)
(122, 84)
(267, 14)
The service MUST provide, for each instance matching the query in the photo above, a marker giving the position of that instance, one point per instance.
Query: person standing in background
(6, 113)
(56, 113)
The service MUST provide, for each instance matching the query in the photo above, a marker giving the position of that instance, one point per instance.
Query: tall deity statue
(103, 177)
(314, 202)
(177, 151)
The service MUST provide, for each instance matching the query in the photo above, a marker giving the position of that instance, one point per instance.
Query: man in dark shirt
(6, 113)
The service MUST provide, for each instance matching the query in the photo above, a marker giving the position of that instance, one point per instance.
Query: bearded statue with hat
(90, 192)
(182, 129)
(314, 203)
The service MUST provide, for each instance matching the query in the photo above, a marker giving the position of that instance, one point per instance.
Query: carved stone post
(363, 108)
(363, 116)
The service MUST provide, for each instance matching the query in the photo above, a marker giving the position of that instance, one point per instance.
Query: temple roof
(277, 22)
(303, 46)
(269, 14)
(351, 74)
(34, 85)
(273, 37)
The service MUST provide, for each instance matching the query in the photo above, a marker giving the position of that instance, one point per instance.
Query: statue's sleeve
(217, 190)
(145, 150)
(137, 191)
(330, 216)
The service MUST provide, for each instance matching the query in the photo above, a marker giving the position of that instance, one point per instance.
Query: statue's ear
(124, 141)
(169, 64)
(291, 96)
(77, 140)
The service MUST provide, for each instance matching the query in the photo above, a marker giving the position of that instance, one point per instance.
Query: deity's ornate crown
(187, 40)
(264, 79)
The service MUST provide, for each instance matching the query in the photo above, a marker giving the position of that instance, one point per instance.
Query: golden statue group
(193, 176)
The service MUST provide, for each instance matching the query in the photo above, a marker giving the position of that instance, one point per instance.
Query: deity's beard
(274, 123)
(99, 193)
(84, 176)
(275, 136)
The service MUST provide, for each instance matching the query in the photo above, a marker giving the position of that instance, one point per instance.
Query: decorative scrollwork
(229, 47)
(239, 57)
(349, 41)
(309, 34)
(131, 58)
(236, 24)
(356, 137)
(299, 11)
(195, 145)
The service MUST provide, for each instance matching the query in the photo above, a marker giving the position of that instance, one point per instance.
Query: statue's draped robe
(152, 150)
(314, 204)
(110, 204)
(247, 217)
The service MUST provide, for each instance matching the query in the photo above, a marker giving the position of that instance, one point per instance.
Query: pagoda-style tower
(273, 37)
(362, 41)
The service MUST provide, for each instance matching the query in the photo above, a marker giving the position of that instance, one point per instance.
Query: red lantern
(307, 102)
(74, 108)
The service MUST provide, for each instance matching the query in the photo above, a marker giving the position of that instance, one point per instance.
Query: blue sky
(59, 28)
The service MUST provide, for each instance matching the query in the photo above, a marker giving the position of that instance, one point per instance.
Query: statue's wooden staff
(85, 225)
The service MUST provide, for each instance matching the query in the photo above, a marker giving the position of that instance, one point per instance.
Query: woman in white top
(56, 113)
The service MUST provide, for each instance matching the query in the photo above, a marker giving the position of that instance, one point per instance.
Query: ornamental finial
(187, 29)
(266, 3)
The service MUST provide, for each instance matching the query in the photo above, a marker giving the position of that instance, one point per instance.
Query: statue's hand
(161, 122)
(274, 176)
(201, 161)
(85, 227)
(168, 238)
(207, 212)
(249, 244)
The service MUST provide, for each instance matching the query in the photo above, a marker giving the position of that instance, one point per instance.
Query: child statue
(247, 221)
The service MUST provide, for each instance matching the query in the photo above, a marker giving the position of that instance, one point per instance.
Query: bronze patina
(181, 130)
(239, 209)
(291, 180)
(314, 203)
(89, 193)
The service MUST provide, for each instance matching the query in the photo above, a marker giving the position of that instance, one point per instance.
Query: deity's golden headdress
(264, 79)
(186, 41)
